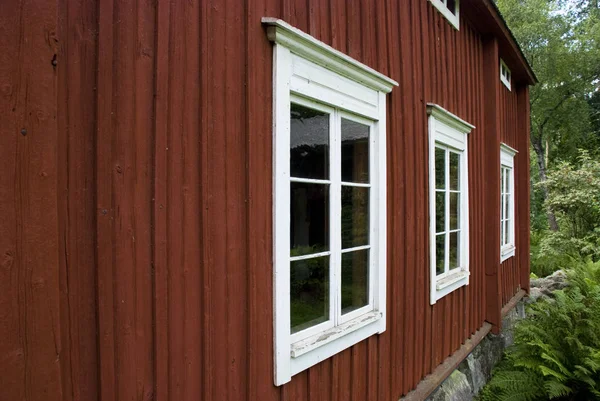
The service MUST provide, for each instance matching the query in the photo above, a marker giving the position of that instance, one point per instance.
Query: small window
(507, 202)
(329, 179)
(449, 201)
(505, 74)
(449, 9)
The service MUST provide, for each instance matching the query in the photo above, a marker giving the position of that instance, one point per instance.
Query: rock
(544, 287)
(455, 388)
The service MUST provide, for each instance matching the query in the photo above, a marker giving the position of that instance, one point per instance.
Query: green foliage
(556, 354)
(574, 195)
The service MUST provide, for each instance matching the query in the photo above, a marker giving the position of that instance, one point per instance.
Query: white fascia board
(308, 47)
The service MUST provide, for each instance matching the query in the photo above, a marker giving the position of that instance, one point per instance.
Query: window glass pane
(440, 253)
(440, 212)
(355, 280)
(454, 250)
(309, 143)
(355, 216)
(309, 292)
(454, 171)
(309, 220)
(506, 209)
(355, 151)
(440, 168)
(502, 207)
(451, 4)
(454, 210)
(507, 238)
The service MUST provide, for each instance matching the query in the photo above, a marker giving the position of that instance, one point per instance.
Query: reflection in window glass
(440, 253)
(309, 143)
(355, 216)
(454, 251)
(440, 168)
(309, 292)
(440, 212)
(454, 171)
(355, 280)
(309, 220)
(454, 210)
(355, 152)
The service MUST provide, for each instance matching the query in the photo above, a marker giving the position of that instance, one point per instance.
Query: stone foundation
(475, 371)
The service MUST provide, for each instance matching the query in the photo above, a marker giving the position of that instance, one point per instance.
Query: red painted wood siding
(136, 214)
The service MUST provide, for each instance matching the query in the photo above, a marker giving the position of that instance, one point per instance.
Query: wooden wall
(135, 234)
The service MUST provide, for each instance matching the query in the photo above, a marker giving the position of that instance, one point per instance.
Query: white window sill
(448, 284)
(507, 252)
(318, 340)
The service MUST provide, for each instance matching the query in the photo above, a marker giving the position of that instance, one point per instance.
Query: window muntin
(505, 75)
(449, 9)
(506, 206)
(507, 202)
(330, 269)
(449, 202)
(447, 209)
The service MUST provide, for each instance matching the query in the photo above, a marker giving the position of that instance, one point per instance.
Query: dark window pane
(502, 206)
(454, 211)
(454, 250)
(355, 151)
(309, 292)
(502, 232)
(309, 143)
(506, 207)
(355, 216)
(454, 171)
(507, 239)
(440, 253)
(309, 220)
(440, 168)
(355, 280)
(440, 212)
(451, 4)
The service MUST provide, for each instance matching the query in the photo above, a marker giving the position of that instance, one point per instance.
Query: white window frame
(448, 131)
(309, 72)
(505, 74)
(507, 161)
(442, 6)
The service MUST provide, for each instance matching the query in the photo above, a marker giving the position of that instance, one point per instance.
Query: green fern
(556, 355)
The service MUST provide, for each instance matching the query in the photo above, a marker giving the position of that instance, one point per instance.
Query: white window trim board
(314, 50)
(296, 53)
(454, 19)
(505, 81)
(507, 155)
(451, 131)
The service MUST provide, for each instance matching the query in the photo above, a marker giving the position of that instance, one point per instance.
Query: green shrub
(556, 354)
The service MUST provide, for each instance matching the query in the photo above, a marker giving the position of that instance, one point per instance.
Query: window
(449, 201)
(329, 178)
(507, 202)
(504, 74)
(449, 9)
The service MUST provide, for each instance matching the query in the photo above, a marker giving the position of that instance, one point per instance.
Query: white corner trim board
(314, 50)
(311, 74)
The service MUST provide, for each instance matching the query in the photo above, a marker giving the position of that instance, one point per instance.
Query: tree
(561, 40)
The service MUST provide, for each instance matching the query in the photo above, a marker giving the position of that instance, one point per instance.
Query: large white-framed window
(450, 10)
(329, 206)
(507, 202)
(505, 75)
(448, 201)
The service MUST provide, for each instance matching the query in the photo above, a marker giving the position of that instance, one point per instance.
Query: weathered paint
(135, 235)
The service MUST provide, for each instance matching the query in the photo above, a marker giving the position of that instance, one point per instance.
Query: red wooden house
(256, 200)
